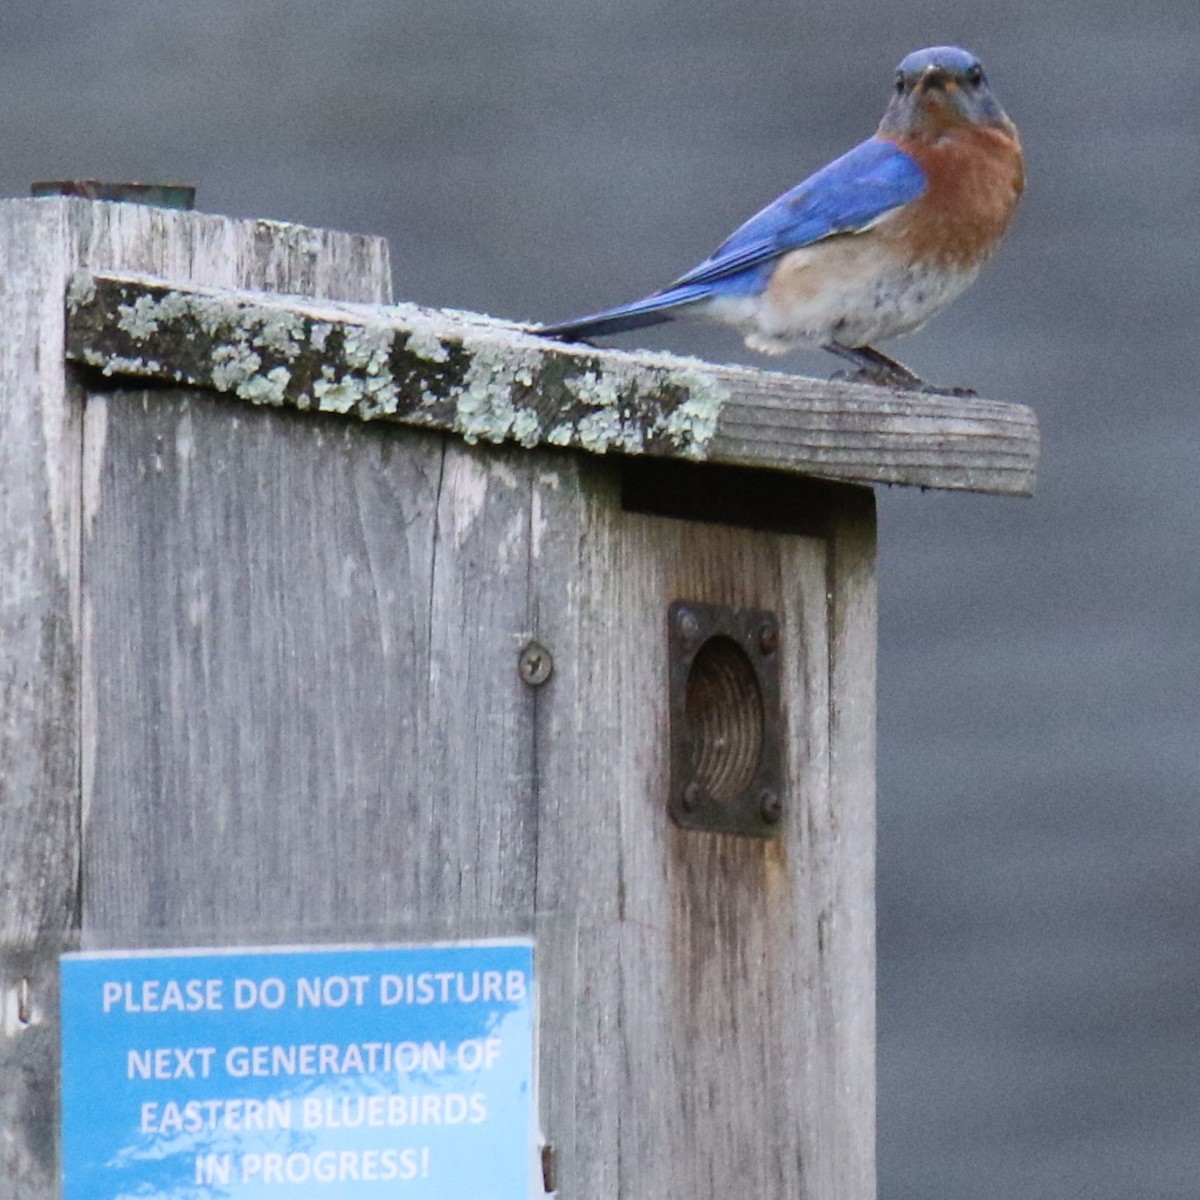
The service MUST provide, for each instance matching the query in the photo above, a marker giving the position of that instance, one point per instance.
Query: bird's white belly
(839, 290)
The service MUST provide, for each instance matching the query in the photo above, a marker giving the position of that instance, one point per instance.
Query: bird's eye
(975, 75)
(899, 84)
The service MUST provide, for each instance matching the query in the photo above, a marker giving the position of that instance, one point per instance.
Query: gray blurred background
(1039, 847)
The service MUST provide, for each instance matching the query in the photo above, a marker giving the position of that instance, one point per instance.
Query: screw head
(691, 796)
(770, 807)
(535, 665)
(768, 639)
(687, 624)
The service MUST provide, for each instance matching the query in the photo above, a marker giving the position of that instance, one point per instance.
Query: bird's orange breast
(974, 177)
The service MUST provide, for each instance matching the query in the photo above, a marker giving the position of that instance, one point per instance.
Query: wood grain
(490, 382)
(720, 1004)
(309, 720)
(43, 665)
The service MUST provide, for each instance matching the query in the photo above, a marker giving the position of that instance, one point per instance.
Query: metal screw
(688, 625)
(770, 807)
(692, 794)
(768, 639)
(535, 664)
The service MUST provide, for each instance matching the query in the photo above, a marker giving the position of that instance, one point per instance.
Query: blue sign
(400, 1071)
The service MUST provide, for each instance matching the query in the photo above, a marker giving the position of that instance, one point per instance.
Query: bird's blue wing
(849, 194)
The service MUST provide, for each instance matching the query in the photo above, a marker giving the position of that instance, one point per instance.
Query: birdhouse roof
(489, 381)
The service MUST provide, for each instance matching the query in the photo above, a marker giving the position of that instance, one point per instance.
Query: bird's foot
(932, 390)
(882, 371)
(901, 383)
(906, 382)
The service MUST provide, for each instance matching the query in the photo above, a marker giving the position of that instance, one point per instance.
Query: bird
(870, 246)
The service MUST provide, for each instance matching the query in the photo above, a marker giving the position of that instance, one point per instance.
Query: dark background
(1039, 874)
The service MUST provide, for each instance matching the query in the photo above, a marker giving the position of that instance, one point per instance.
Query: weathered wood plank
(836, 909)
(475, 779)
(712, 1052)
(42, 663)
(848, 936)
(310, 722)
(297, 633)
(487, 381)
(255, 644)
(212, 251)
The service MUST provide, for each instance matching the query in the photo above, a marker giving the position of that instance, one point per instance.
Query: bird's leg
(876, 367)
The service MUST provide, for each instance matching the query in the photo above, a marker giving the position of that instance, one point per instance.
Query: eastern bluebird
(873, 244)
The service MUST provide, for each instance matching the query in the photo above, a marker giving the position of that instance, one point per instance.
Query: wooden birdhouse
(337, 628)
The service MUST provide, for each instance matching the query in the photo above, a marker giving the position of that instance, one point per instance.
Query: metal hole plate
(726, 738)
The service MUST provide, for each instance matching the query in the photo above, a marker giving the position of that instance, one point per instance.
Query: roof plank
(490, 381)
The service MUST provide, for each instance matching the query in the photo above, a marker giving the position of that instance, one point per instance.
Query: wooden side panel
(42, 242)
(849, 935)
(39, 483)
(291, 624)
(477, 769)
(256, 589)
(717, 1048)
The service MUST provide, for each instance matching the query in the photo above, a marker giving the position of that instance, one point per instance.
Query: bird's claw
(907, 382)
(887, 379)
(964, 392)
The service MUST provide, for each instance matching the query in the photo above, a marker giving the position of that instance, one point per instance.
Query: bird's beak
(934, 80)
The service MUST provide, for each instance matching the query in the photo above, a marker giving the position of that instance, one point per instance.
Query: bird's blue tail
(652, 310)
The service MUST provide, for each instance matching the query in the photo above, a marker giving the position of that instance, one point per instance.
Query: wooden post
(264, 677)
(44, 469)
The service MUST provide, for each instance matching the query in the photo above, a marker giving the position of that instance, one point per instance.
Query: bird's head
(937, 89)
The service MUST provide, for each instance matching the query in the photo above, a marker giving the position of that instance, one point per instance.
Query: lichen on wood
(488, 381)
(484, 380)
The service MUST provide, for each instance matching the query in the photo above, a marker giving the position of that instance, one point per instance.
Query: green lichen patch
(480, 378)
